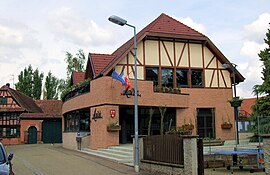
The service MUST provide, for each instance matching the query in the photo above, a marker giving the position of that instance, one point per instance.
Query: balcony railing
(82, 89)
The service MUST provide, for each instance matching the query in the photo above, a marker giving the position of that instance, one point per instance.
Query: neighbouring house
(77, 77)
(245, 120)
(23, 120)
(180, 73)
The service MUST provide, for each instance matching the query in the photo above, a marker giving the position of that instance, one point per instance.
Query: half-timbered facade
(179, 71)
(23, 120)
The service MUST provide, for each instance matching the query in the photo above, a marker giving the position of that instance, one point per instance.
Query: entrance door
(206, 122)
(32, 135)
(52, 131)
(126, 119)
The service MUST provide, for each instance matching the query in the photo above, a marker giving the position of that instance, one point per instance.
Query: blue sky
(40, 32)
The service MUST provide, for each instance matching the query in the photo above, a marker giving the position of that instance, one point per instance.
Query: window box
(226, 125)
(113, 128)
(188, 127)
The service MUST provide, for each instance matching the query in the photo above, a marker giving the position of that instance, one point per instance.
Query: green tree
(37, 84)
(29, 82)
(74, 64)
(261, 108)
(52, 84)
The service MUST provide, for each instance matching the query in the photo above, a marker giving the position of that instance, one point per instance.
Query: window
(167, 77)
(152, 75)
(77, 121)
(3, 100)
(182, 77)
(71, 122)
(84, 122)
(13, 132)
(196, 78)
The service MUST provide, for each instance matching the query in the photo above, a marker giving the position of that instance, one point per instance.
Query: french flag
(120, 78)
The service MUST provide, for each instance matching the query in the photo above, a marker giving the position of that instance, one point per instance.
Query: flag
(118, 77)
(127, 82)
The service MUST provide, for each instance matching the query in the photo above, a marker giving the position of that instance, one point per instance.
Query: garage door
(52, 131)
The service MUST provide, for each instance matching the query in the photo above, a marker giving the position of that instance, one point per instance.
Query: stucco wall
(69, 140)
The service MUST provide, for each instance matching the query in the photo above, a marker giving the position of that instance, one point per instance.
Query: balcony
(82, 89)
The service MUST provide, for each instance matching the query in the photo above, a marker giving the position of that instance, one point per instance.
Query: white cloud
(13, 38)
(260, 25)
(257, 29)
(253, 43)
(67, 25)
(189, 22)
(251, 49)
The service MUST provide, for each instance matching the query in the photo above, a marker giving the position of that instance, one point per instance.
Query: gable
(7, 101)
(156, 46)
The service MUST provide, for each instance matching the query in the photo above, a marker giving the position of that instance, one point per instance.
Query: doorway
(32, 135)
(126, 120)
(206, 122)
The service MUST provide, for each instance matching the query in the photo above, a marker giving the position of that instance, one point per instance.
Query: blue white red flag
(118, 77)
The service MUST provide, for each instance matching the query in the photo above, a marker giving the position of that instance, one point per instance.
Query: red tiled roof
(77, 77)
(38, 116)
(247, 105)
(100, 61)
(163, 26)
(24, 101)
(50, 106)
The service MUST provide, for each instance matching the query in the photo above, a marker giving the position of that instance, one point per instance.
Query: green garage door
(52, 131)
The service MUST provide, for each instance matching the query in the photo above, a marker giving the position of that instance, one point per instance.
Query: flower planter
(236, 102)
(226, 126)
(113, 128)
(188, 127)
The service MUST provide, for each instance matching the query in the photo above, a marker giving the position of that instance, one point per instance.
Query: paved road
(44, 159)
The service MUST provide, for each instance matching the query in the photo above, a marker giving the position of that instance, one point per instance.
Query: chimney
(8, 85)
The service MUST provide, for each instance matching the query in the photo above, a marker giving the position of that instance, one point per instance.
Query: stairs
(121, 154)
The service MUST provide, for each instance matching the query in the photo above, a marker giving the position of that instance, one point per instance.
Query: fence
(164, 148)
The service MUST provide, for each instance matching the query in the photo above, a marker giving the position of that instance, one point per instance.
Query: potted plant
(188, 126)
(236, 102)
(179, 131)
(156, 88)
(113, 127)
(226, 124)
(176, 91)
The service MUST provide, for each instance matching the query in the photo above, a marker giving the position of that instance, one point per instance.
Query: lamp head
(226, 65)
(117, 20)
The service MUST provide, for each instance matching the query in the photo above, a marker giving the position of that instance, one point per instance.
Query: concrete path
(45, 159)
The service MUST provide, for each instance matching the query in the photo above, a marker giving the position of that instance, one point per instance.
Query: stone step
(122, 148)
(120, 155)
(118, 151)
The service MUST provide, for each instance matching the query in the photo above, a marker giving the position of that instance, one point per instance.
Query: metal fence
(164, 148)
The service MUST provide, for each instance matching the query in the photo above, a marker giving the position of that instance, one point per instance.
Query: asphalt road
(46, 159)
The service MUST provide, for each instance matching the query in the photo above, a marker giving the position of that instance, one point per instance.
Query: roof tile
(77, 77)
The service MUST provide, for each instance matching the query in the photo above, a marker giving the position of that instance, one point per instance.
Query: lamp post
(122, 22)
(233, 66)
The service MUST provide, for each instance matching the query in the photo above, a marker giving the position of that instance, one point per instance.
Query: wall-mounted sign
(130, 92)
(96, 115)
(112, 112)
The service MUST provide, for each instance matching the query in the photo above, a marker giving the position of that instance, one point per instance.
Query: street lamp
(122, 22)
(233, 66)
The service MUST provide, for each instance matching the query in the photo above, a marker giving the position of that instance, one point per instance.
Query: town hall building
(180, 73)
